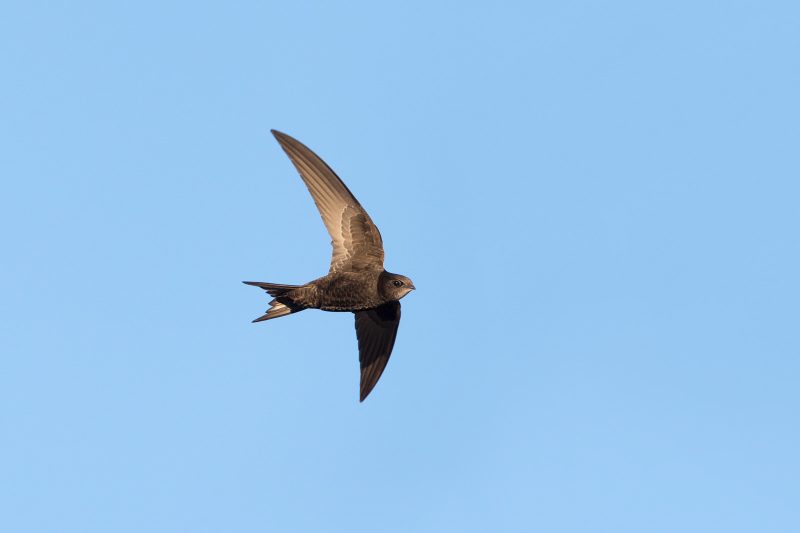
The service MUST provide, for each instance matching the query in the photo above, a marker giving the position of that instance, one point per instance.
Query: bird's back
(348, 291)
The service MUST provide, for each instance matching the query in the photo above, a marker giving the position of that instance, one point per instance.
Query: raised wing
(356, 241)
(376, 330)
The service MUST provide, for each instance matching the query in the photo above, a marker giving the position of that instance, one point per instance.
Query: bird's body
(346, 291)
(338, 291)
(356, 281)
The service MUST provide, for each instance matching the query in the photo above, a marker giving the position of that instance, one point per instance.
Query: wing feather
(376, 330)
(356, 241)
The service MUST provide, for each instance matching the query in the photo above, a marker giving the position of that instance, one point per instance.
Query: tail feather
(274, 289)
(277, 310)
(282, 304)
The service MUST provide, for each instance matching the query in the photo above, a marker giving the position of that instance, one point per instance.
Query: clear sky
(597, 202)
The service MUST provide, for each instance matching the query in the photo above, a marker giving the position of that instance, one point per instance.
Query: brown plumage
(356, 280)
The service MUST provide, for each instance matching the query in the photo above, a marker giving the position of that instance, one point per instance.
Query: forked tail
(282, 304)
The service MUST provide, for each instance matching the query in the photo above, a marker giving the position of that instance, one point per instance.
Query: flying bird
(356, 281)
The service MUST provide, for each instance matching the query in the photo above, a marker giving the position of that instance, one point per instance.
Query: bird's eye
(397, 283)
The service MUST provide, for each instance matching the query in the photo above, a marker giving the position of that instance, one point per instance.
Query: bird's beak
(413, 288)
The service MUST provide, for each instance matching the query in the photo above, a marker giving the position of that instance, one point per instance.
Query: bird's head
(395, 286)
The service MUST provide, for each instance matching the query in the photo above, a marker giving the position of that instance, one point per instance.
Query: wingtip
(287, 142)
(363, 394)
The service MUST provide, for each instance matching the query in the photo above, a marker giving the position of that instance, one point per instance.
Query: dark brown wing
(376, 330)
(356, 241)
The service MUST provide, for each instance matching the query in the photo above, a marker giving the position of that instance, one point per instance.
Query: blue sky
(598, 204)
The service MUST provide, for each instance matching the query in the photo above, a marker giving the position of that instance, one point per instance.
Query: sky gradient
(597, 202)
